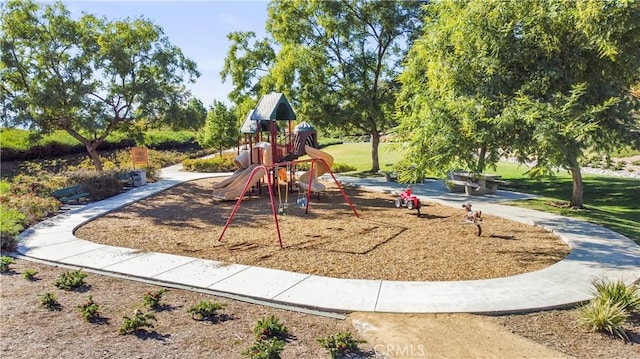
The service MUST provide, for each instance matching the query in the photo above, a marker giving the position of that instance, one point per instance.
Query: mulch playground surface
(384, 243)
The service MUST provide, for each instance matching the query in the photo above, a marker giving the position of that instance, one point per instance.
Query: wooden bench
(70, 194)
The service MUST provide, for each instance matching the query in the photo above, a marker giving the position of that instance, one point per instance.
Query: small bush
(213, 164)
(138, 321)
(70, 280)
(99, 185)
(265, 349)
(29, 274)
(339, 167)
(205, 310)
(340, 344)
(49, 301)
(152, 299)
(270, 327)
(618, 292)
(89, 310)
(604, 315)
(5, 264)
(619, 165)
(635, 163)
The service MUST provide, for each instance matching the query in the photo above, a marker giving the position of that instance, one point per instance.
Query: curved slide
(319, 169)
(232, 187)
(242, 162)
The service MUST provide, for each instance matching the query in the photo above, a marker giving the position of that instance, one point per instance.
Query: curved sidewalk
(595, 252)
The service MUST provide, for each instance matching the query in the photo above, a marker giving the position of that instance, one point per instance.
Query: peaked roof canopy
(273, 106)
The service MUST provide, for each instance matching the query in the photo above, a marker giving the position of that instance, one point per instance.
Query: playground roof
(273, 106)
(249, 126)
(304, 126)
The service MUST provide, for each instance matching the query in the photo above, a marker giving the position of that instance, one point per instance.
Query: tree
(540, 80)
(190, 115)
(220, 129)
(336, 60)
(88, 77)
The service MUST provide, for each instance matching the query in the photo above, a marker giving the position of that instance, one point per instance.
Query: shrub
(99, 185)
(270, 327)
(5, 264)
(152, 299)
(32, 208)
(618, 292)
(213, 164)
(205, 310)
(11, 224)
(604, 315)
(48, 300)
(265, 349)
(339, 167)
(138, 321)
(635, 163)
(29, 274)
(70, 280)
(89, 310)
(340, 344)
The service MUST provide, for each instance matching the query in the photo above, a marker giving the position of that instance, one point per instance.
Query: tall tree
(336, 60)
(220, 129)
(89, 76)
(543, 80)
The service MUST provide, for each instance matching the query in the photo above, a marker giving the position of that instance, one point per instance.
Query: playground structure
(270, 155)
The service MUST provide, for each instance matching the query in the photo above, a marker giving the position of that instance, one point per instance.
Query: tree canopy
(336, 60)
(88, 76)
(541, 80)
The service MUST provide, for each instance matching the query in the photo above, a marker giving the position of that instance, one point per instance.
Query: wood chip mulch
(384, 243)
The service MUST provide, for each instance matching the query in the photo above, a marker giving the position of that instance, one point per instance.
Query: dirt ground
(29, 331)
(383, 243)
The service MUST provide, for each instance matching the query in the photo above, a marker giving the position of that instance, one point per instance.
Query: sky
(198, 28)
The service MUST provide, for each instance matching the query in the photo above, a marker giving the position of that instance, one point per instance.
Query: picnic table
(473, 183)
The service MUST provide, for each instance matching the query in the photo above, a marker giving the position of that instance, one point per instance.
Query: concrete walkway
(596, 252)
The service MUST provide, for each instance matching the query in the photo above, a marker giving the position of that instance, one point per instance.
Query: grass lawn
(610, 201)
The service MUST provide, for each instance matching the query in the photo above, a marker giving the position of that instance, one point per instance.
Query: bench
(70, 194)
(126, 178)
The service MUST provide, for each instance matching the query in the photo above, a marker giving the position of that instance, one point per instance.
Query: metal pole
(235, 208)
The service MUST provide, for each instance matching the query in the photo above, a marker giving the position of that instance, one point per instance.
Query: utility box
(139, 178)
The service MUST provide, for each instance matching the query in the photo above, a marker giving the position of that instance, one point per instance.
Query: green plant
(635, 163)
(205, 310)
(618, 292)
(222, 163)
(339, 167)
(70, 280)
(89, 309)
(48, 300)
(604, 315)
(152, 299)
(270, 327)
(29, 274)
(340, 344)
(5, 264)
(138, 321)
(265, 349)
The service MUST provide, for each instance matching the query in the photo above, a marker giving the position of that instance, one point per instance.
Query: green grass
(610, 201)
(359, 155)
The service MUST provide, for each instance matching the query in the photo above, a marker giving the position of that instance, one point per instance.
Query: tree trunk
(375, 142)
(92, 149)
(576, 175)
(481, 157)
